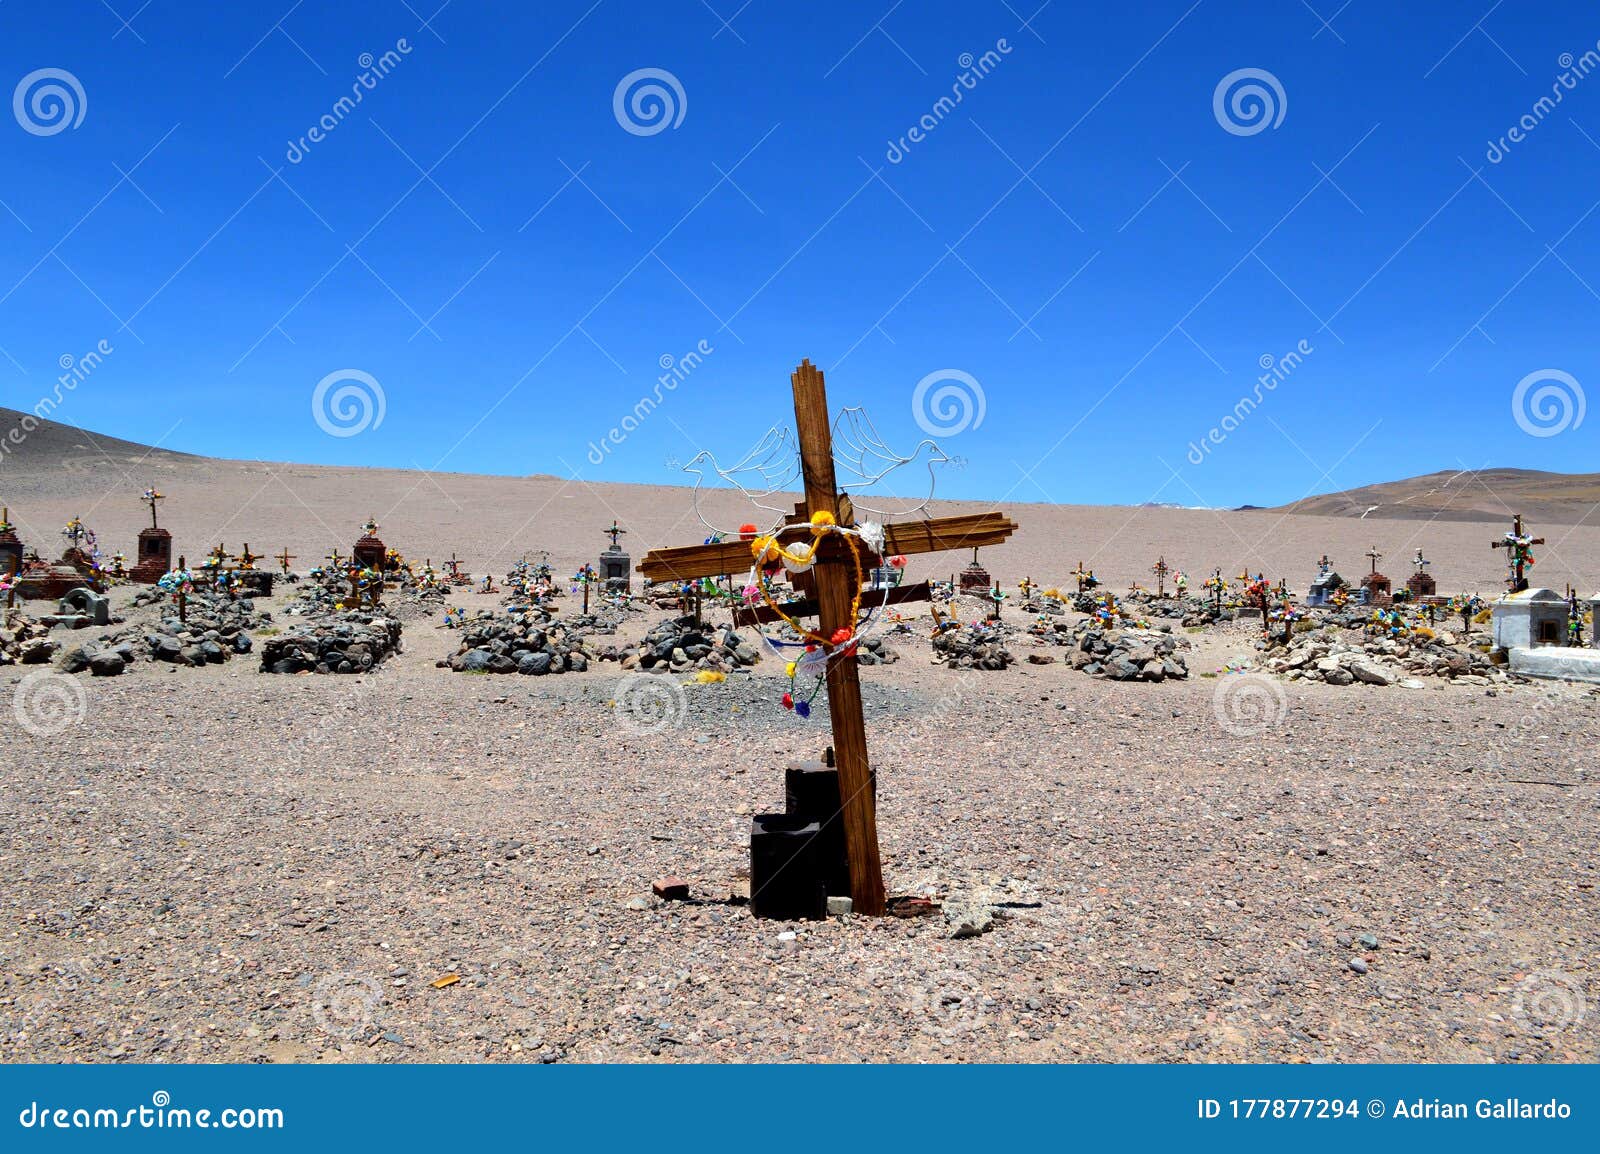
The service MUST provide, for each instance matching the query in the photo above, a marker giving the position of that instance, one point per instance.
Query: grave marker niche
(1378, 587)
(154, 557)
(10, 545)
(1327, 584)
(616, 567)
(1421, 582)
(975, 578)
(368, 551)
(837, 572)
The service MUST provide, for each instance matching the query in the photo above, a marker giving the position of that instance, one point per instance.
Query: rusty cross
(1161, 570)
(832, 593)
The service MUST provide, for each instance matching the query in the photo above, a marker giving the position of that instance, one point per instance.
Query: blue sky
(1083, 236)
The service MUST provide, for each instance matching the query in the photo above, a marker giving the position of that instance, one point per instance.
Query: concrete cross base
(1557, 663)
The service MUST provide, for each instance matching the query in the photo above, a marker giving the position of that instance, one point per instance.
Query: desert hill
(58, 472)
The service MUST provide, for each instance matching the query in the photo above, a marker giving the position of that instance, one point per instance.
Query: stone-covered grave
(24, 641)
(211, 630)
(975, 646)
(1339, 654)
(679, 646)
(327, 637)
(349, 641)
(1117, 653)
(526, 640)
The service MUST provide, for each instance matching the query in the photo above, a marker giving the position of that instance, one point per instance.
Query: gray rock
(107, 664)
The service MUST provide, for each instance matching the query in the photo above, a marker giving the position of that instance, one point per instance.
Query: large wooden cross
(833, 581)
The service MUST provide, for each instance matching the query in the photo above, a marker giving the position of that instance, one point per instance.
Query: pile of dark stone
(23, 642)
(1122, 654)
(973, 647)
(679, 646)
(351, 641)
(530, 642)
(216, 628)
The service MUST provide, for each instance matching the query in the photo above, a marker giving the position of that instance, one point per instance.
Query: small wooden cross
(834, 592)
(453, 565)
(247, 559)
(1375, 555)
(614, 532)
(150, 497)
(219, 557)
(1084, 576)
(284, 558)
(334, 557)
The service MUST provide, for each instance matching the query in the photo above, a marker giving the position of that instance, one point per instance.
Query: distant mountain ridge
(1465, 495)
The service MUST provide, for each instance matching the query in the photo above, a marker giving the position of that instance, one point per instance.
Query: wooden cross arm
(971, 531)
(898, 595)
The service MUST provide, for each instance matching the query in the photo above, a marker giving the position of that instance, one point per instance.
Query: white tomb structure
(1531, 627)
(1530, 619)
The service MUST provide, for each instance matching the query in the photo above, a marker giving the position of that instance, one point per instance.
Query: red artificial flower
(788, 701)
(841, 636)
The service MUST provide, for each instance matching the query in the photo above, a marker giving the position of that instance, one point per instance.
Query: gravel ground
(218, 865)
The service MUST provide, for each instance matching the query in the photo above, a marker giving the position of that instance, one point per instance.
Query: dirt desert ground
(217, 864)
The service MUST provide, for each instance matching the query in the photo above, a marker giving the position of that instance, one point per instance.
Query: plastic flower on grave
(802, 709)
(821, 522)
(788, 701)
